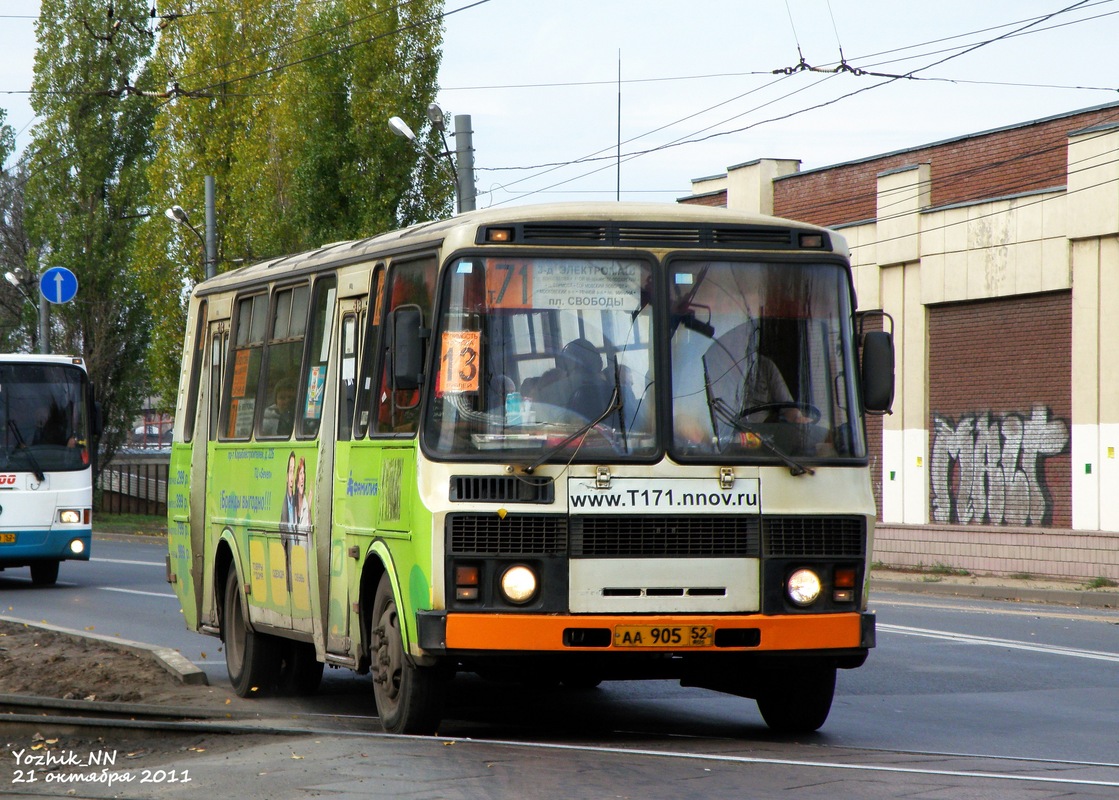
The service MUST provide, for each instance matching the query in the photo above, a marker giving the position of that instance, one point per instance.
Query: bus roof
(460, 230)
(40, 358)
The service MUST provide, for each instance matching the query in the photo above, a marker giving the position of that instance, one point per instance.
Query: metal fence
(133, 484)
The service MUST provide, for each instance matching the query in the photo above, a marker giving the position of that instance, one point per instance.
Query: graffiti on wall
(988, 468)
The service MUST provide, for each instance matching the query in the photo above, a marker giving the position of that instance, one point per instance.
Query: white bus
(46, 463)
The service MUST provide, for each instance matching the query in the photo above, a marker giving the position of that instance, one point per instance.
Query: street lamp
(18, 279)
(179, 215)
(210, 240)
(461, 164)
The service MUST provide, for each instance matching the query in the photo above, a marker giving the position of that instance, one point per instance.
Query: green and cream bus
(574, 443)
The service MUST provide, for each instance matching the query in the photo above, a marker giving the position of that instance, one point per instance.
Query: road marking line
(125, 561)
(963, 638)
(135, 591)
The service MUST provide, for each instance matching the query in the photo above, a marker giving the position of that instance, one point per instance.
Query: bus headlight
(71, 516)
(518, 584)
(803, 587)
(77, 547)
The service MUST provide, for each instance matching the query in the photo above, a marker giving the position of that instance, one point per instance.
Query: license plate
(7, 538)
(663, 636)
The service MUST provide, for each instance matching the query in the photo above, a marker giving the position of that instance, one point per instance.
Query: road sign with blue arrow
(58, 285)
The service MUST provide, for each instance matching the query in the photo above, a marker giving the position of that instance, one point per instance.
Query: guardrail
(134, 483)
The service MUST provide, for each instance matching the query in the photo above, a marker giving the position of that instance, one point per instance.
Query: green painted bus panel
(375, 500)
(179, 546)
(264, 495)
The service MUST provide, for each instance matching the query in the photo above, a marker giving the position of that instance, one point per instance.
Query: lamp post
(178, 214)
(461, 164)
(19, 279)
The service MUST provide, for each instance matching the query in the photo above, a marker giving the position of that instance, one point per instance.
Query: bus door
(187, 508)
(348, 524)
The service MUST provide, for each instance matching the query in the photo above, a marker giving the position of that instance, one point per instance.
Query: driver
(768, 386)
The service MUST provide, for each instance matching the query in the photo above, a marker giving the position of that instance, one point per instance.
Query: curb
(171, 660)
(1020, 594)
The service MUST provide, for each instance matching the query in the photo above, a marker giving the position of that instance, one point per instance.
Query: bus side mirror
(878, 372)
(407, 347)
(97, 423)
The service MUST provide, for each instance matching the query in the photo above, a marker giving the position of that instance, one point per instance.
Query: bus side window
(196, 358)
(367, 374)
(320, 325)
(239, 401)
(219, 340)
(347, 377)
(410, 283)
(283, 360)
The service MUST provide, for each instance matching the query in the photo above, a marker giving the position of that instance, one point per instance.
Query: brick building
(997, 256)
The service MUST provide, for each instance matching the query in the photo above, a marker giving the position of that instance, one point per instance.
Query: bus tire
(797, 700)
(300, 669)
(252, 659)
(409, 698)
(44, 573)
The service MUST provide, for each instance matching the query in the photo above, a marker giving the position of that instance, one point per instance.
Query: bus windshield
(539, 354)
(543, 356)
(43, 424)
(762, 361)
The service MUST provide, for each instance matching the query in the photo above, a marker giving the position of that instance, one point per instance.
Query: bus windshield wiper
(35, 468)
(735, 421)
(614, 405)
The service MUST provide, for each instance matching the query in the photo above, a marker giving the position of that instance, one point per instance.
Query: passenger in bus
(588, 392)
(279, 417)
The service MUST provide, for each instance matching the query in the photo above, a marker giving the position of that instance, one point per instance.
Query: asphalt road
(956, 692)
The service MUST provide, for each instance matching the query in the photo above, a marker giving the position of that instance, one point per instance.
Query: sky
(685, 90)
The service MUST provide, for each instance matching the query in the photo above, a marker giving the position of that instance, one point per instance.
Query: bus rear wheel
(409, 698)
(797, 700)
(252, 659)
(44, 573)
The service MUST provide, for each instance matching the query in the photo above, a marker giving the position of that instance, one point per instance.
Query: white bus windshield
(554, 358)
(43, 423)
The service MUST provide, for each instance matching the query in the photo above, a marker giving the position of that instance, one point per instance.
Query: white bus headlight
(803, 587)
(71, 516)
(77, 547)
(518, 584)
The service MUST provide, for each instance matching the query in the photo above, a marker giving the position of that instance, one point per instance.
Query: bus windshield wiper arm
(795, 467)
(35, 468)
(732, 419)
(614, 405)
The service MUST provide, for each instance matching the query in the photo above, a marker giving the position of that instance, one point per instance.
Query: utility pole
(464, 162)
(44, 324)
(210, 267)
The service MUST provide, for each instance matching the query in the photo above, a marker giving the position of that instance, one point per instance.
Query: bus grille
(501, 489)
(652, 536)
(515, 535)
(828, 537)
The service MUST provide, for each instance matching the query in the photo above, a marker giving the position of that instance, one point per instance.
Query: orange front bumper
(534, 633)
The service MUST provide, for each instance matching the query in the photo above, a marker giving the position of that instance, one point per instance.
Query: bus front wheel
(409, 698)
(797, 701)
(252, 658)
(44, 573)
